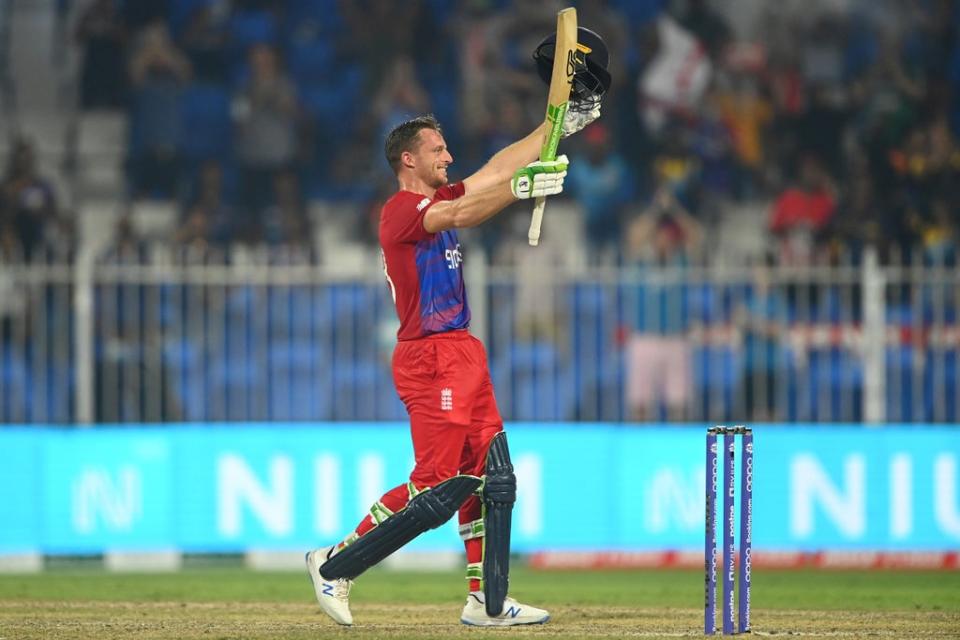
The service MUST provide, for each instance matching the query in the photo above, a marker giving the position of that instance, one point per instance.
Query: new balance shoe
(333, 595)
(514, 613)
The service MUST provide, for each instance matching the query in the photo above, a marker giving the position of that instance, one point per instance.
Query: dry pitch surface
(234, 604)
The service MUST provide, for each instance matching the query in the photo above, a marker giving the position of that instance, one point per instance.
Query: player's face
(432, 158)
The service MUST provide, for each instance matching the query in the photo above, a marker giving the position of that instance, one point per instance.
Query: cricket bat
(561, 81)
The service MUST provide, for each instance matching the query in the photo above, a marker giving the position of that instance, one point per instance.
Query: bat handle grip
(533, 235)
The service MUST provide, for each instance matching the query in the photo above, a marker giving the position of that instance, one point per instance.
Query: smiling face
(430, 159)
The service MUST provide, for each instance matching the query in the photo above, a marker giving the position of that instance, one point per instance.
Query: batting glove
(575, 120)
(540, 178)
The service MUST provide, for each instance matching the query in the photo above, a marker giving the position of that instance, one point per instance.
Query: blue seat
(16, 390)
(243, 300)
(249, 28)
(833, 386)
(640, 11)
(333, 104)
(589, 300)
(322, 16)
(297, 395)
(59, 390)
(311, 62)
(717, 371)
(180, 12)
(206, 125)
(533, 384)
(939, 385)
(349, 301)
(598, 386)
(297, 355)
(898, 361)
(363, 390)
(293, 311)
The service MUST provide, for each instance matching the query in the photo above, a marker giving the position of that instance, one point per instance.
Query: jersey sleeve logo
(454, 257)
(423, 203)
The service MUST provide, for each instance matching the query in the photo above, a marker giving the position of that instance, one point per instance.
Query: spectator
(660, 244)
(286, 221)
(194, 235)
(928, 165)
(60, 240)
(267, 113)
(601, 184)
(864, 221)
(27, 201)
(126, 247)
(822, 51)
(713, 146)
(508, 124)
(535, 314)
(374, 44)
(821, 128)
(101, 34)
(801, 213)
(940, 235)
(13, 291)
(512, 36)
(944, 158)
(676, 168)
(612, 25)
(158, 70)
(401, 97)
(746, 114)
(788, 96)
(205, 42)
(368, 222)
(674, 78)
(210, 198)
(140, 13)
(887, 94)
(477, 98)
(709, 27)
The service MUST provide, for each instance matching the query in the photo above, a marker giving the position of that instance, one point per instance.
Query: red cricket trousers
(444, 382)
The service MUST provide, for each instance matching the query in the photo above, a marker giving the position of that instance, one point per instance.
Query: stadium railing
(270, 336)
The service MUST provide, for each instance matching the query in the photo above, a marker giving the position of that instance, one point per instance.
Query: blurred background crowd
(833, 122)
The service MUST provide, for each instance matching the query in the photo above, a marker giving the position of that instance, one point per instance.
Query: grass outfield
(221, 604)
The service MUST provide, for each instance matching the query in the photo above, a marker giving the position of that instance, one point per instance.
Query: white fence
(270, 336)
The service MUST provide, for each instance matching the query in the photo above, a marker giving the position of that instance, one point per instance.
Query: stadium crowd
(840, 121)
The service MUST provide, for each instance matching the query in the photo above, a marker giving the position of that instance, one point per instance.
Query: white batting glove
(575, 120)
(539, 179)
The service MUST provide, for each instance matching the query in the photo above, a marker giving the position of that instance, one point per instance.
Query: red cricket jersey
(424, 270)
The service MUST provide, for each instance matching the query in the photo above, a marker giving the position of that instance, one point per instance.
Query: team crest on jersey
(446, 399)
(423, 203)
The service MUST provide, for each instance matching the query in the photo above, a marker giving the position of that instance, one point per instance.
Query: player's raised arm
(533, 180)
(500, 168)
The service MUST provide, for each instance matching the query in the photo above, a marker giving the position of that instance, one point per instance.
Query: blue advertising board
(221, 488)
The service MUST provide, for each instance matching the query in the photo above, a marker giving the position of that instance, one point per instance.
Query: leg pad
(427, 510)
(499, 494)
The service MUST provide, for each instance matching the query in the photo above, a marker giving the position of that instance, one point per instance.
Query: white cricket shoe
(333, 595)
(475, 614)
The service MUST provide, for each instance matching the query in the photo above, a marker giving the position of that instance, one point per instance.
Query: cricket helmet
(591, 82)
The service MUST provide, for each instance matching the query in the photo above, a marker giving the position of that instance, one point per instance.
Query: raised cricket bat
(561, 81)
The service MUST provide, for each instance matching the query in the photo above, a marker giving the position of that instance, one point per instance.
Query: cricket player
(440, 370)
